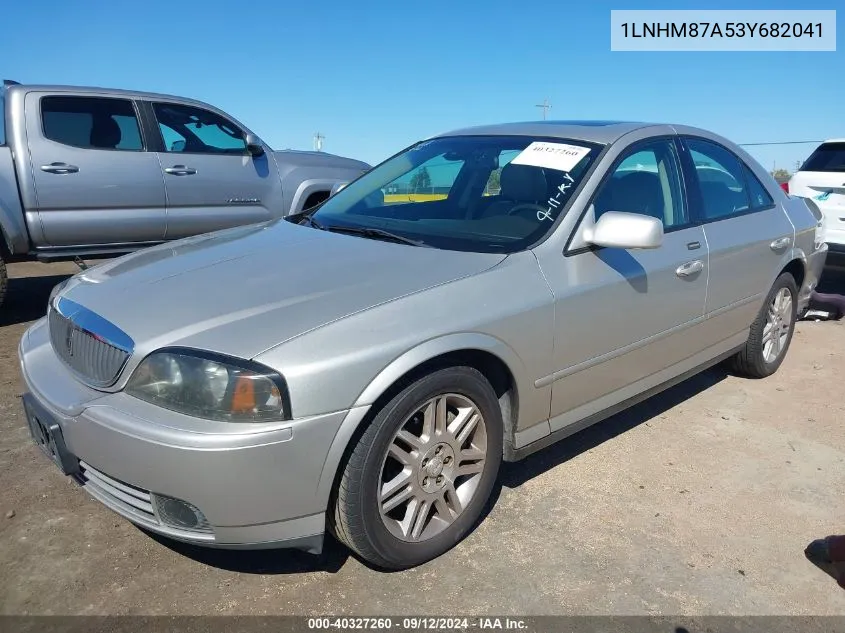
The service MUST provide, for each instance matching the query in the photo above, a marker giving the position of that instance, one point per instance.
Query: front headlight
(209, 386)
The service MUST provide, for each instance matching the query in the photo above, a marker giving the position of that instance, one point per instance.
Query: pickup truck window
(91, 122)
(197, 131)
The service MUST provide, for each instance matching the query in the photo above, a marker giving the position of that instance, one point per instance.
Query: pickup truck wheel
(4, 281)
(771, 332)
(418, 478)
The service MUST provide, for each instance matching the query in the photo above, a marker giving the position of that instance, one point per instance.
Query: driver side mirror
(617, 229)
(254, 146)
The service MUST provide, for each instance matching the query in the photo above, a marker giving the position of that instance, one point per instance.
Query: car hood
(244, 290)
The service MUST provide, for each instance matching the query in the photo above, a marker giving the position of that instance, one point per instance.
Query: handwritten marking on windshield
(555, 201)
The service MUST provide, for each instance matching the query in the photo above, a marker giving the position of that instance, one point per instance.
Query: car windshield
(470, 193)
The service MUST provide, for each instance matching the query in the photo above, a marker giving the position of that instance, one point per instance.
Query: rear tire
(419, 477)
(771, 332)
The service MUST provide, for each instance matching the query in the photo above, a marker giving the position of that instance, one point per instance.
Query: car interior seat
(105, 133)
(720, 200)
(519, 184)
(637, 192)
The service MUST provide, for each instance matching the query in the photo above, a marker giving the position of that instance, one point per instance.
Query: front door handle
(780, 243)
(180, 170)
(60, 168)
(690, 268)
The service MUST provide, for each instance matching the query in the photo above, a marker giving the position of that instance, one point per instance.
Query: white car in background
(822, 179)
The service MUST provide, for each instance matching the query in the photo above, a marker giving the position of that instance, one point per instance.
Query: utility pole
(318, 142)
(545, 105)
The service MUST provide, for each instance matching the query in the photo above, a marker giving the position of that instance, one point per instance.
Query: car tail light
(785, 186)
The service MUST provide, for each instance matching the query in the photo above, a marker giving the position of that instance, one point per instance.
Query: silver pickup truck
(92, 172)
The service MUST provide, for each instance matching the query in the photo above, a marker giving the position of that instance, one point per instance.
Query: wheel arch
(493, 358)
(797, 267)
(308, 188)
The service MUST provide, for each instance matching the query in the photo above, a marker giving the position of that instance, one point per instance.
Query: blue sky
(374, 77)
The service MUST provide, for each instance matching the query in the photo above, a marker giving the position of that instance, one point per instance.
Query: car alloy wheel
(417, 479)
(771, 332)
(433, 467)
(778, 324)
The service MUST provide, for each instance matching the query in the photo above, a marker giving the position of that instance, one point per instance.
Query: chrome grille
(90, 354)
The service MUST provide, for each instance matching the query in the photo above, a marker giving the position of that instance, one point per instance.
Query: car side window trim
(141, 132)
(163, 144)
(694, 195)
(149, 126)
(633, 148)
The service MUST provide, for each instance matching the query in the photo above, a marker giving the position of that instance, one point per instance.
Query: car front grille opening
(142, 505)
(128, 499)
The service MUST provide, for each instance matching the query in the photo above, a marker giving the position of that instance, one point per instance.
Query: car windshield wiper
(311, 221)
(373, 233)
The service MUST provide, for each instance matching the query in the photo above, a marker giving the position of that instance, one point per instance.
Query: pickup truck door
(212, 182)
(92, 181)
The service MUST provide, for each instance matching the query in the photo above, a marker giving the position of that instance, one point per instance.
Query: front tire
(418, 478)
(771, 332)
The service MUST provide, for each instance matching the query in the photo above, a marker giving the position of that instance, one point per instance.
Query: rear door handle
(690, 268)
(180, 170)
(60, 168)
(780, 243)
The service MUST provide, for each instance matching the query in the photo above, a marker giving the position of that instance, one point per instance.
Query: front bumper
(255, 485)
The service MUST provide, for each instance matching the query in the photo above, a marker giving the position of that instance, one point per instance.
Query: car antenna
(78, 261)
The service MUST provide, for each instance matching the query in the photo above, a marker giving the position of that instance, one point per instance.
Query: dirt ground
(699, 501)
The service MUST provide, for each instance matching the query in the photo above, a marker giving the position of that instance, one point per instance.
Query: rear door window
(91, 122)
(827, 157)
(760, 198)
(721, 181)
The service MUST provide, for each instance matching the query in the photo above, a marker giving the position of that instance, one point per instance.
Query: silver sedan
(364, 367)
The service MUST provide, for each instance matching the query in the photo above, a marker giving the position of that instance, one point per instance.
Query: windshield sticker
(556, 200)
(558, 156)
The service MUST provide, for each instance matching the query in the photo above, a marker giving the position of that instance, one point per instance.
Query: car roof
(129, 94)
(834, 140)
(602, 132)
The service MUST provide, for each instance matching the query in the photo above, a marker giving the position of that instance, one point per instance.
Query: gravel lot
(699, 501)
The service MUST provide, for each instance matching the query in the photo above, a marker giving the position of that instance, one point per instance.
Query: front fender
(394, 371)
(432, 348)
